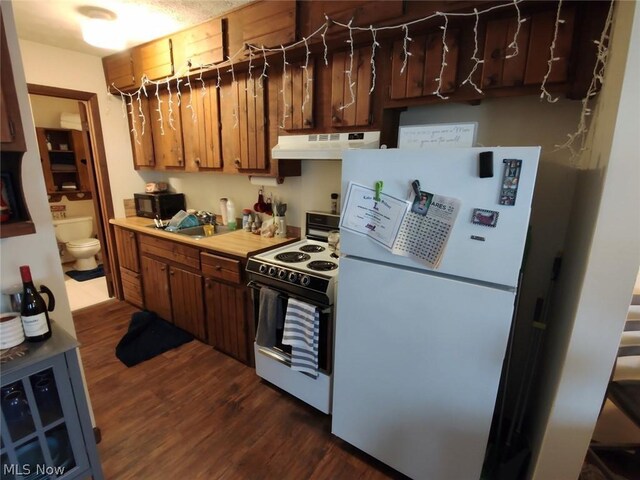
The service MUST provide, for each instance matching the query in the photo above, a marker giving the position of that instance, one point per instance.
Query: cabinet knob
(237, 163)
(197, 161)
(496, 53)
(130, 234)
(163, 268)
(171, 272)
(217, 268)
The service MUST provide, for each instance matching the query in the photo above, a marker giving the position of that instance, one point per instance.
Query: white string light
(322, 32)
(203, 90)
(474, 56)
(249, 74)
(283, 91)
(170, 105)
(405, 48)
(349, 72)
(597, 79)
(552, 58)
(134, 131)
(515, 50)
(443, 63)
(307, 77)
(143, 121)
(373, 61)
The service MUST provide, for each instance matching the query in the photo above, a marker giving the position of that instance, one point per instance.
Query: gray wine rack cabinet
(46, 426)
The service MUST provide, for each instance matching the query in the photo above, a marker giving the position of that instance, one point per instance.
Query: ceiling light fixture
(100, 29)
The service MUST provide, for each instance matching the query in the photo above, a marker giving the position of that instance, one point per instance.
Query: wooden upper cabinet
(166, 130)
(153, 59)
(11, 132)
(529, 67)
(140, 121)
(350, 97)
(294, 98)
(118, 70)
(265, 23)
(197, 46)
(423, 66)
(242, 115)
(200, 112)
(363, 13)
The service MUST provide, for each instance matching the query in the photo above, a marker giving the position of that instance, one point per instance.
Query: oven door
(274, 363)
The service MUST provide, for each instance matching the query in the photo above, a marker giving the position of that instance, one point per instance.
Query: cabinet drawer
(132, 287)
(221, 267)
(172, 251)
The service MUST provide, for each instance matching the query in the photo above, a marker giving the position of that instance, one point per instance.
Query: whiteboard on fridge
(438, 135)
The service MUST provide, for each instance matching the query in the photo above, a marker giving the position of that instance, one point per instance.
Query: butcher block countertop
(237, 243)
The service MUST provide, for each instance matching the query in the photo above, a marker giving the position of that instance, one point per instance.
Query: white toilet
(75, 233)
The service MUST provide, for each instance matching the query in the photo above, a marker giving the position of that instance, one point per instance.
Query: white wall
(39, 250)
(601, 263)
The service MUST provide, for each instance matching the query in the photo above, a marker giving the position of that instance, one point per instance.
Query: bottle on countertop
(231, 215)
(334, 203)
(223, 210)
(35, 319)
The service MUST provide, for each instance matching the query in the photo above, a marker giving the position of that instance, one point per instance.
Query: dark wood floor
(196, 413)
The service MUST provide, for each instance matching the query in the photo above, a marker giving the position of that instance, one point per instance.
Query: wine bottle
(35, 319)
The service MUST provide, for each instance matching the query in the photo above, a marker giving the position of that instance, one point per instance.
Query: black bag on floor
(148, 336)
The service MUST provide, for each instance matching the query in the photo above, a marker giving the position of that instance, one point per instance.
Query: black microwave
(161, 205)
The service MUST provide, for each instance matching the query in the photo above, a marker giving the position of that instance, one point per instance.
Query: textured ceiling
(57, 22)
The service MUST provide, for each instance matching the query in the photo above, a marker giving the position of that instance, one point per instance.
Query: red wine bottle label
(35, 325)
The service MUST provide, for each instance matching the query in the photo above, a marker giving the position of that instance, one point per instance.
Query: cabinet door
(127, 245)
(166, 130)
(81, 160)
(200, 113)
(297, 92)
(155, 285)
(350, 98)
(140, 130)
(199, 45)
(153, 59)
(227, 318)
(62, 163)
(186, 297)
(40, 422)
(11, 133)
(242, 112)
(423, 65)
(118, 71)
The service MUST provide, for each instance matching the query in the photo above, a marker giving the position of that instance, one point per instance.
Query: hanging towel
(301, 331)
(270, 317)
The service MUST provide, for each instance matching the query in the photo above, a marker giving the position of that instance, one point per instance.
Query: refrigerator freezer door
(417, 365)
(452, 172)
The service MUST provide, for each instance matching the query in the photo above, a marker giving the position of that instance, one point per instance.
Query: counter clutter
(195, 282)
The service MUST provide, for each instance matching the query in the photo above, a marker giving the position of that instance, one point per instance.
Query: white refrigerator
(419, 350)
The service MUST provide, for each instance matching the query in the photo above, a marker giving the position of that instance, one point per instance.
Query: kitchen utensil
(223, 210)
(268, 209)
(260, 206)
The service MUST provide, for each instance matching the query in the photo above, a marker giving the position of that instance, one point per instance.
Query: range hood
(323, 146)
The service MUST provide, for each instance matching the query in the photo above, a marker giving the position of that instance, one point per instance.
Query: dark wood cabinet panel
(127, 245)
(175, 252)
(132, 287)
(11, 132)
(199, 45)
(64, 160)
(200, 113)
(166, 130)
(296, 91)
(118, 70)
(140, 120)
(153, 59)
(423, 65)
(350, 98)
(155, 283)
(242, 113)
(270, 23)
(227, 319)
(186, 299)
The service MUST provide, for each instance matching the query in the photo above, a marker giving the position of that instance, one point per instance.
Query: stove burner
(322, 265)
(312, 248)
(292, 257)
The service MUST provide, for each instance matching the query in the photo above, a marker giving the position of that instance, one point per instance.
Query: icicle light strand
(283, 91)
(373, 59)
(474, 57)
(405, 48)
(349, 72)
(552, 58)
(515, 51)
(443, 63)
(307, 77)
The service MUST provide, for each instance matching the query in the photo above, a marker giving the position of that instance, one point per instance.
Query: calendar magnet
(510, 180)
(486, 218)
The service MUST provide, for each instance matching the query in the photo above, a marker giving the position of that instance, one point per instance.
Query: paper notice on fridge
(379, 220)
(425, 229)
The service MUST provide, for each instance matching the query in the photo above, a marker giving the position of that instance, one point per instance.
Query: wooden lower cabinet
(186, 299)
(155, 282)
(227, 318)
(132, 287)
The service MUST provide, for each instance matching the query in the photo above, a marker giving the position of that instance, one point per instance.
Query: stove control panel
(288, 276)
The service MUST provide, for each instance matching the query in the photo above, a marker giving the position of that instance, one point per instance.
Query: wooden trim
(101, 188)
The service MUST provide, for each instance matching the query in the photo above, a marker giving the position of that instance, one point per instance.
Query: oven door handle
(280, 358)
(257, 286)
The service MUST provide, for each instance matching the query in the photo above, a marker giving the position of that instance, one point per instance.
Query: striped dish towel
(301, 331)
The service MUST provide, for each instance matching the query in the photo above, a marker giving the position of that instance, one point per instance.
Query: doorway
(85, 192)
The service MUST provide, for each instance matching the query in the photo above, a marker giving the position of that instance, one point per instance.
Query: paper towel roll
(265, 181)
